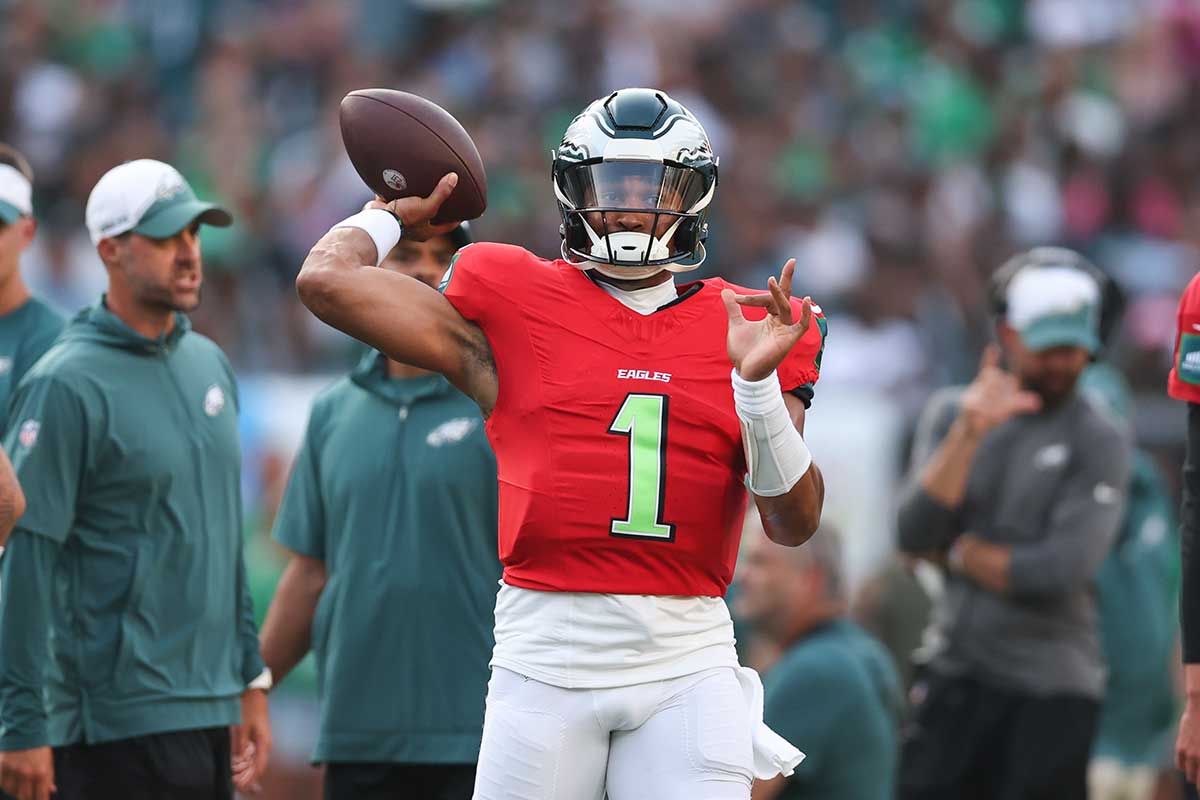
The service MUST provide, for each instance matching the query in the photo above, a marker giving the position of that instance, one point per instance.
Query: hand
(416, 213)
(994, 397)
(28, 774)
(1187, 744)
(757, 348)
(251, 742)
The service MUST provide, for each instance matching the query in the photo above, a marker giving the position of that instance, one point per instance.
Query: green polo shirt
(395, 490)
(835, 695)
(25, 334)
(127, 450)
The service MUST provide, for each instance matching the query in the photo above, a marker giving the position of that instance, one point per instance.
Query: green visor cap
(1075, 329)
(171, 215)
(9, 213)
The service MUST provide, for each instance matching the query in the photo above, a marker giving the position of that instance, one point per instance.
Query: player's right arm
(398, 315)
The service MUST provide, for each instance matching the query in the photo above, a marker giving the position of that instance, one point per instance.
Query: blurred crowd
(899, 149)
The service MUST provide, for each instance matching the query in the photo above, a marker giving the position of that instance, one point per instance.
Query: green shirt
(1139, 591)
(835, 695)
(395, 490)
(25, 334)
(127, 450)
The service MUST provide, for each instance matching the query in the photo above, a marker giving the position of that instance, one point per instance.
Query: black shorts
(180, 765)
(354, 781)
(968, 740)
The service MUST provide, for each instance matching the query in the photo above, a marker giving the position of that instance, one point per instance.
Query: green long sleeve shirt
(127, 449)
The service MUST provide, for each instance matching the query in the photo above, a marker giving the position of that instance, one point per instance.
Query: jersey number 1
(643, 418)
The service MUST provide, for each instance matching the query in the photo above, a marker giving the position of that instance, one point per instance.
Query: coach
(390, 512)
(1022, 481)
(127, 642)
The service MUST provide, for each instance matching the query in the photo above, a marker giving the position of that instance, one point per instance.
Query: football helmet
(634, 177)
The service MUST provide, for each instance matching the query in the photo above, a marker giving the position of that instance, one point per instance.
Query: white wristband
(264, 681)
(776, 455)
(382, 226)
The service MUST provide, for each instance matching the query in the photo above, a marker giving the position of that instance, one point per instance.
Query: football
(401, 145)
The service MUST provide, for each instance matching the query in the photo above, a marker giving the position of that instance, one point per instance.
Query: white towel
(773, 755)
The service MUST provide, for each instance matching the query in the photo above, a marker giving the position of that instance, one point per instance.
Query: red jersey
(618, 450)
(1184, 383)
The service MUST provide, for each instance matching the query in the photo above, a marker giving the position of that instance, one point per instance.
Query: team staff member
(834, 688)
(390, 512)
(28, 325)
(127, 642)
(1023, 481)
(1184, 385)
(1138, 591)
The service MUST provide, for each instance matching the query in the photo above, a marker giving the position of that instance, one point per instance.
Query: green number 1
(643, 418)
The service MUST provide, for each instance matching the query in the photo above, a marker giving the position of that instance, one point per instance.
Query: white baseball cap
(16, 195)
(147, 197)
(1055, 306)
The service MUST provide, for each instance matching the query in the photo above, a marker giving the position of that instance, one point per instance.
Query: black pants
(182, 765)
(353, 781)
(967, 740)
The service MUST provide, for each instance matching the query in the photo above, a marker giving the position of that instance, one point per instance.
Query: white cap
(147, 197)
(1052, 306)
(16, 195)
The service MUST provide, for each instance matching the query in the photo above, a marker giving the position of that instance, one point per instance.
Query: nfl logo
(29, 433)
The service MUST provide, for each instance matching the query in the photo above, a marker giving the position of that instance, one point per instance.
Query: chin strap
(630, 273)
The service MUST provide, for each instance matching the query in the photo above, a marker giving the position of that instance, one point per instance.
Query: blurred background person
(1184, 384)
(895, 606)
(833, 690)
(28, 325)
(390, 513)
(1138, 586)
(1020, 482)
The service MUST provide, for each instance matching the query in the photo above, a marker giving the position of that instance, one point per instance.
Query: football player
(623, 438)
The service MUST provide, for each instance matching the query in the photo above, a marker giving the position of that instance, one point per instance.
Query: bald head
(786, 590)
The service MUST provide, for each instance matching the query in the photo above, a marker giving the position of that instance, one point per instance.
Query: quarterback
(628, 414)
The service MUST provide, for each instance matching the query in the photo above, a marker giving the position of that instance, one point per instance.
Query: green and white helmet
(629, 155)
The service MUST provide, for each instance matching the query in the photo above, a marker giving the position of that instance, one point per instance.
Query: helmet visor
(633, 185)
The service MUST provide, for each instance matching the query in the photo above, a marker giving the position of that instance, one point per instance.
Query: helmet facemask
(633, 213)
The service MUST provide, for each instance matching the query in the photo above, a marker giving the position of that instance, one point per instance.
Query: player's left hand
(757, 348)
(251, 742)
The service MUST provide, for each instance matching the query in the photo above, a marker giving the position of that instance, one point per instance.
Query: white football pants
(689, 738)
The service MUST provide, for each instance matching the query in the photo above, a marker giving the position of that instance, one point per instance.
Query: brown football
(402, 145)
